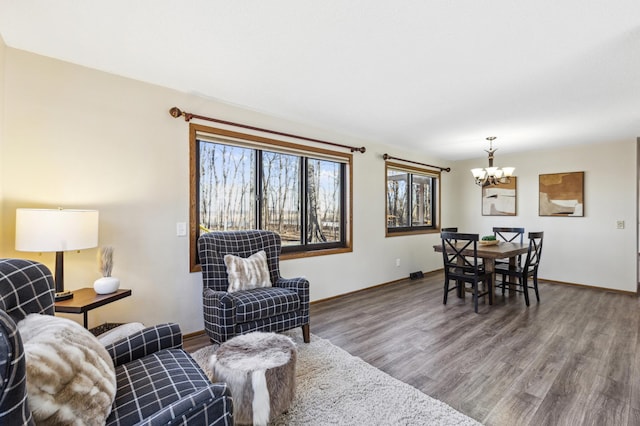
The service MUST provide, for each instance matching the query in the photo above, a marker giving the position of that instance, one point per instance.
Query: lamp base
(63, 295)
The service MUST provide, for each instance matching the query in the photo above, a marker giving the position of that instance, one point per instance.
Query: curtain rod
(443, 169)
(175, 113)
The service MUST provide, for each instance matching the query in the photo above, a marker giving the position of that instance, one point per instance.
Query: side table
(86, 299)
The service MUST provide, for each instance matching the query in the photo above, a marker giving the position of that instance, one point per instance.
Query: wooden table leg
(512, 280)
(490, 266)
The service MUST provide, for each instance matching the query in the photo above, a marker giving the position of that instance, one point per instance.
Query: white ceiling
(431, 75)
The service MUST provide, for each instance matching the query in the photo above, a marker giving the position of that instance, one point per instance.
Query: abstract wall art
(499, 200)
(561, 194)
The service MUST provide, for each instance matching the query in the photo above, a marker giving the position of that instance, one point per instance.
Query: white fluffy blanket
(70, 376)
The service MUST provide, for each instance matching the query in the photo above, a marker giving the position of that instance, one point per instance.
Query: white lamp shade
(508, 171)
(478, 173)
(491, 171)
(46, 230)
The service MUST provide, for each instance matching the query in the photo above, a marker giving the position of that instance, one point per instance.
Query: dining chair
(508, 235)
(449, 229)
(462, 268)
(523, 271)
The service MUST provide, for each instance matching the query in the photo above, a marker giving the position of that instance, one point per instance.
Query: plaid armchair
(281, 307)
(157, 382)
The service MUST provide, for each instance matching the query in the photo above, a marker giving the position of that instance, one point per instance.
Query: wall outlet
(620, 224)
(397, 263)
(181, 229)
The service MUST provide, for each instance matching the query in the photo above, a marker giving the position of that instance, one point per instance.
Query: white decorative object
(107, 284)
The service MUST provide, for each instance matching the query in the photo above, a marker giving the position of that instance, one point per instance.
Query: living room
(77, 137)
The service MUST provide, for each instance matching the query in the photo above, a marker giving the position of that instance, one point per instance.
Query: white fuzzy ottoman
(259, 369)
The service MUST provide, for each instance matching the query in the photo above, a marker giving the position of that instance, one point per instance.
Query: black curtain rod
(175, 113)
(442, 169)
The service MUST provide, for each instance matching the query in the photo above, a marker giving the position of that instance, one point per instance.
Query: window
(241, 181)
(412, 199)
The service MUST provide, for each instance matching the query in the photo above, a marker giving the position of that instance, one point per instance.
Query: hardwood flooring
(573, 359)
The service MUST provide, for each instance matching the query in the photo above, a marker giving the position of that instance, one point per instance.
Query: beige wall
(587, 250)
(80, 138)
(76, 137)
(3, 48)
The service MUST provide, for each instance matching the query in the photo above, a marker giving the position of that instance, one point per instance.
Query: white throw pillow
(245, 274)
(70, 375)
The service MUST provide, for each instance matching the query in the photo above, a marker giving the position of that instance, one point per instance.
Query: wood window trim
(411, 169)
(195, 129)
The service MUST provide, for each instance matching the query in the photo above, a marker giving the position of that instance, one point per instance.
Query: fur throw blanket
(70, 376)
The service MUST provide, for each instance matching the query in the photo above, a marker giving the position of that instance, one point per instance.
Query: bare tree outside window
(411, 200)
(324, 222)
(421, 208)
(397, 198)
(281, 195)
(227, 187)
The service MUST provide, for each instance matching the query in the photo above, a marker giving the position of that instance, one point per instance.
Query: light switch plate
(620, 224)
(181, 229)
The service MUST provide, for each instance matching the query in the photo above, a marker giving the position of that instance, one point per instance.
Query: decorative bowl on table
(488, 240)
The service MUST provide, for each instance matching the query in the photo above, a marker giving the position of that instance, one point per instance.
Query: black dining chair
(523, 271)
(449, 229)
(462, 268)
(508, 235)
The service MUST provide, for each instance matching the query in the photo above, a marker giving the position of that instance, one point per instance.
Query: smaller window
(412, 199)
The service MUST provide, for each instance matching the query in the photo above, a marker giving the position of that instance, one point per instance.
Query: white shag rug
(335, 388)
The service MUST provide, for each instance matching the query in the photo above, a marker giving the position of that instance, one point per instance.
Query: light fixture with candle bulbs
(492, 175)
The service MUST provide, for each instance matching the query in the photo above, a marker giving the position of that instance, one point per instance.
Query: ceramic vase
(106, 285)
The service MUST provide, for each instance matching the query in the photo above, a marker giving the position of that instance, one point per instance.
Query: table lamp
(59, 230)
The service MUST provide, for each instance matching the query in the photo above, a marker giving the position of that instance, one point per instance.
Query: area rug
(335, 388)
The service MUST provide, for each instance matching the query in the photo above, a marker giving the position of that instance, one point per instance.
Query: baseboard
(425, 275)
(613, 290)
(194, 334)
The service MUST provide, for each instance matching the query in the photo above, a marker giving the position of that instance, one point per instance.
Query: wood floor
(573, 359)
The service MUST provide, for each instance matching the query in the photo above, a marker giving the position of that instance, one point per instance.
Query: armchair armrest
(14, 408)
(145, 342)
(298, 284)
(211, 405)
(219, 314)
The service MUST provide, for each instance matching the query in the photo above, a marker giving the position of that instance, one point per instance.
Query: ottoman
(259, 369)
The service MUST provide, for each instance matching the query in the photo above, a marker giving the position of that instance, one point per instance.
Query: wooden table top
(497, 251)
(85, 299)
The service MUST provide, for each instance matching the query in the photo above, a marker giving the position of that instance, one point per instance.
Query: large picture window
(241, 181)
(412, 199)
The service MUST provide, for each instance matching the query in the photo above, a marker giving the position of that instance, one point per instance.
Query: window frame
(256, 142)
(436, 207)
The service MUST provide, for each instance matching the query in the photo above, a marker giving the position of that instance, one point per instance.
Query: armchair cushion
(70, 375)
(247, 273)
(159, 383)
(259, 303)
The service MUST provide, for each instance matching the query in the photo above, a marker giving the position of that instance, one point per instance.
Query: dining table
(490, 253)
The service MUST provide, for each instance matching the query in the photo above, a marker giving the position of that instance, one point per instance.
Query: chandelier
(492, 175)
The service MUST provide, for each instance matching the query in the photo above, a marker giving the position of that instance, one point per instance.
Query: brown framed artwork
(561, 194)
(500, 200)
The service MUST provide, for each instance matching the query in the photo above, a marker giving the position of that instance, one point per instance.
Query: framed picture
(499, 200)
(561, 194)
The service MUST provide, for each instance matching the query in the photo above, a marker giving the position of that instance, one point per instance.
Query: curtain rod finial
(362, 149)
(175, 112)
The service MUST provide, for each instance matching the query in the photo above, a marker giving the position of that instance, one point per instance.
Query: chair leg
(535, 285)
(525, 289)
(503, 278)
(475, 297)
(306, 333)
(446, 292)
